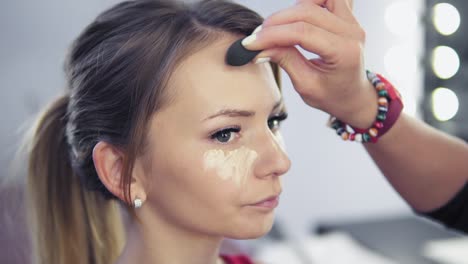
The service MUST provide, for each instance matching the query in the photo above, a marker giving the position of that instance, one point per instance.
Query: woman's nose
(272, 158)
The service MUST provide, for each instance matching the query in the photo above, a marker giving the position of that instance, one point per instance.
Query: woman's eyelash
(275, 121)
(220, 135)
(280, 117)
(226, 135)
(226, 130)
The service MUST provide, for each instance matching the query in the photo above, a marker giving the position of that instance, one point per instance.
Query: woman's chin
(252, 228)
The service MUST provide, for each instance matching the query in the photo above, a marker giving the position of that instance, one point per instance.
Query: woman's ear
(108, 161)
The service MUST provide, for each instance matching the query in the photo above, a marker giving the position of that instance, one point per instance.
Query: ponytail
(71, 225)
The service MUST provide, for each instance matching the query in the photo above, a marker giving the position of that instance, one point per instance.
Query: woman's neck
(155, 241)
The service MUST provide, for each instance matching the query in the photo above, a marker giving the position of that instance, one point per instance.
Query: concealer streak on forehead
(234, 165)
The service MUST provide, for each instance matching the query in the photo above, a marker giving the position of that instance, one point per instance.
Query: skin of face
(195, 182)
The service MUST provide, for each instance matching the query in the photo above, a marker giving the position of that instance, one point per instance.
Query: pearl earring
(137, 203)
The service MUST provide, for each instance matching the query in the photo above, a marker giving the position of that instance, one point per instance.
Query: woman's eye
(274, 124)
(275, 121)
(226, 135)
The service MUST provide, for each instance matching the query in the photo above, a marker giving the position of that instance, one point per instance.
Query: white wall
(329, 179)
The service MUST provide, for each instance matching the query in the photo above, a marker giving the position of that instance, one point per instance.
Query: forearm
(426, 166)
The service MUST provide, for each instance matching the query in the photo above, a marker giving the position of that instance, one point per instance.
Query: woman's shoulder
(237, 259)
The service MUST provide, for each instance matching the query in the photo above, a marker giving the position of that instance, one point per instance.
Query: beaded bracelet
(389, 109)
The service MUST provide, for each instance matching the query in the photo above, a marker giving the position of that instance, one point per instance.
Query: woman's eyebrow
(231, 113)
(239, 112)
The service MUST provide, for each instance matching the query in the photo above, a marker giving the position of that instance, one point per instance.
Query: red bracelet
(390, 108)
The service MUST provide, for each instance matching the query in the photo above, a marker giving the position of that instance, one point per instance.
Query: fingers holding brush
(335, 82)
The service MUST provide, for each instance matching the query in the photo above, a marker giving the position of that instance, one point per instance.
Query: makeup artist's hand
(336, 82)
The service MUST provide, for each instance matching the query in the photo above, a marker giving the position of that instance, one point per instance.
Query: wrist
(389, 109)
(364, 107)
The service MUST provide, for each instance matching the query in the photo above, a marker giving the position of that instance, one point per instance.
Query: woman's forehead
(205, 77)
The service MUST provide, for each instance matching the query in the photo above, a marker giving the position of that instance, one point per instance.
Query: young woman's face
(216, 151)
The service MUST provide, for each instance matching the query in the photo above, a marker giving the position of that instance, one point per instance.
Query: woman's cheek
(235, 165)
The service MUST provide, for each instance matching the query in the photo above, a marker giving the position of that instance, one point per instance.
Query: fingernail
(262, 60)
(249, 40)
(257, 29)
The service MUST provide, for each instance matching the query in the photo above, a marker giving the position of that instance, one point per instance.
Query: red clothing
(240, 259)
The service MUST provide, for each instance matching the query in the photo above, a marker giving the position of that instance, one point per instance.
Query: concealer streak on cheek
(235, 165)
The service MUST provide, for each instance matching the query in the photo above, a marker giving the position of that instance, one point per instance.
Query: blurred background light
(445, 104)
(445, 74)
(445, 62)
(446, 18)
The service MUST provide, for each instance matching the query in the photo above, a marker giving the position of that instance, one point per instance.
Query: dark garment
(455, 213)
(241, 259)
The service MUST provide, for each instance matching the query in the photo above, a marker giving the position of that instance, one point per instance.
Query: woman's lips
(269, 203)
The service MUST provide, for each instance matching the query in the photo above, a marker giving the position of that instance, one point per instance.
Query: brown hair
(117, 72)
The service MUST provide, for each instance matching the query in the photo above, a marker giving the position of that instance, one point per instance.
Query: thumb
(300, 70)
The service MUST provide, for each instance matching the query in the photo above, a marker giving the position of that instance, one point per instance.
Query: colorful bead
(366, 137)
(340, 131)
(380, 86)
(330, 122)
(379, 125)
(381, 117)
(375, 81)
(370, 75)
(383, 109)
(382, 113)
(372, 134)
(336, 125)
(383, 93)
(345, 135)
(358, 138)
(383, 101)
